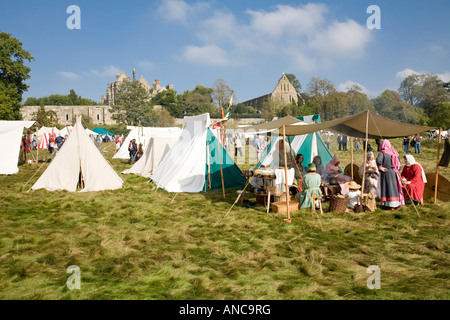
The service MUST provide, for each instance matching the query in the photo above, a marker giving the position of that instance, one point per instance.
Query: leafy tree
(271, 108)
(169, 100)
(359, 102)
(389, 105)
(424, 90)
(222, 93)
(72, 99)
(132, 105)
(440, 116)
(199, 101)
(45, 118)
(320, 87)
(293, 79)
(13, 74)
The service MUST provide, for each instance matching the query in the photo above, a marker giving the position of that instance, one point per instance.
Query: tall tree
(320, 87)
(132, 105)
(222, 93)
(13, 74)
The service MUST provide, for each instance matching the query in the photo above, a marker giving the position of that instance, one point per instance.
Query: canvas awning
(355, 126)
(272, 125)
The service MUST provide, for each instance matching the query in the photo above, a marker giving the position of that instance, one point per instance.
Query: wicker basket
(280, 207)
(281, 197)
(338, 203)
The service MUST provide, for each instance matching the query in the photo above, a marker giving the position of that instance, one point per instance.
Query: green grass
(142, 243)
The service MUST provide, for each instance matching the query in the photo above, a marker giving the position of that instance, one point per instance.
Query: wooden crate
(261, 198)
(281, 207)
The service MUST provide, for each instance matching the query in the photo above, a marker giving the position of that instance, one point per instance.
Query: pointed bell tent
(143, 135)
(79, 159)
(155, 150)
(193, 163)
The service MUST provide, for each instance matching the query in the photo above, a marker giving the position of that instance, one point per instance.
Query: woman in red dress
(413, 180)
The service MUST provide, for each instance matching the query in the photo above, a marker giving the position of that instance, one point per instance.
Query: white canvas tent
(197, 161)
(183, 168)
(44, 134)
(65, 131)
(79, 154)
(143, 135)
(155, 151)
(10, 139)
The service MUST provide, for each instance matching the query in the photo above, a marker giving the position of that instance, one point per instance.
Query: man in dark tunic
(388, 163)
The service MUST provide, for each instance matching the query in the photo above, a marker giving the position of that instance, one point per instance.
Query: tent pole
(285, 176)
(437, 167)
(365, 154)
(220, 163)
(351, 151)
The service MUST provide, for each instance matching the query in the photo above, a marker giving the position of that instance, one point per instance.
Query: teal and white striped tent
(309, 145)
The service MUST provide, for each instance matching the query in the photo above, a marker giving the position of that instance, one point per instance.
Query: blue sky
(248, 43)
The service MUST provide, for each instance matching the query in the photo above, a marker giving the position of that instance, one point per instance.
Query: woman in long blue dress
(390, 186)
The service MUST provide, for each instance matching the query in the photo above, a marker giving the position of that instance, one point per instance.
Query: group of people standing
(382, 178)
(413, 141)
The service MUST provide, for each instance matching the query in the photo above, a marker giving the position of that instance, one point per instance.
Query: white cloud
(288, 20)
(344, 38)
(108, 71)
(403, 74)
(145, 64)
(444, 76)
(304, 36)
(210, 55)
(345, 86)
(180, 11)
(68, 75)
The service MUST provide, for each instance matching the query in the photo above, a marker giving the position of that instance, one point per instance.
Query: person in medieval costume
(388, 164)
(311, 186)
(334, 174)
(371, 174)
(320, 168)
(413, 179)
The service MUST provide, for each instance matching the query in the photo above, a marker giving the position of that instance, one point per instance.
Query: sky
(248, 43)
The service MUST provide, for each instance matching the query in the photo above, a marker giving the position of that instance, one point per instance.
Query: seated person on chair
(334, 174)
(299, 174)
(311, 186)
(354, 194)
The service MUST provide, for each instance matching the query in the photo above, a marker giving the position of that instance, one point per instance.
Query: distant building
(284, 91)
(111, 90)
(67, 114)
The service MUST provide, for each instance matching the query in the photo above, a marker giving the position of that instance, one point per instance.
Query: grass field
(141, 243)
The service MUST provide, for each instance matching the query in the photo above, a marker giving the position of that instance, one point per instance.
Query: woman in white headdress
(371, 175)
(413, 180)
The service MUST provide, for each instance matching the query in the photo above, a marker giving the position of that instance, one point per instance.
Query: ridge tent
(90, 132)
(102, 132)
(143, 135)
(10, 139)
(79, 157)
(158, 146)
(193, 163)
